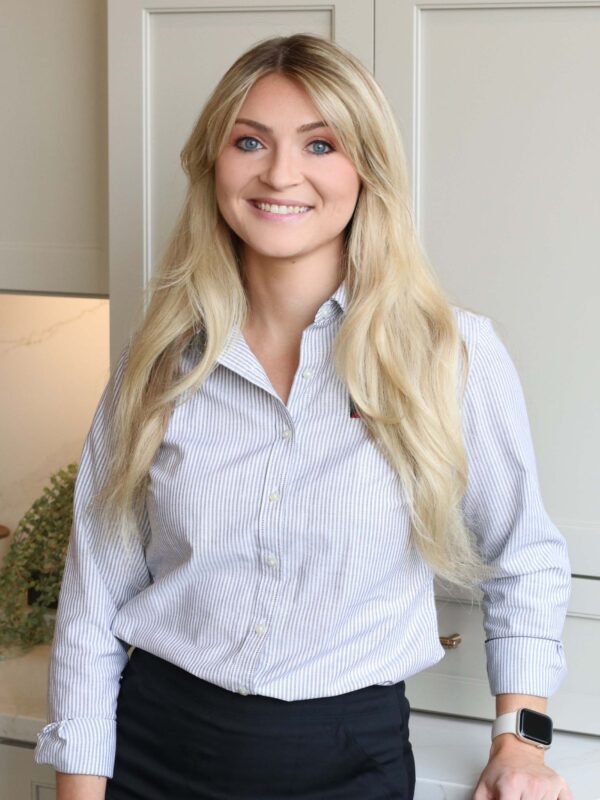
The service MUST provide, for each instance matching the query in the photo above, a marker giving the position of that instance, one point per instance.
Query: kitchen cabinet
(53, 196)
(480, 125)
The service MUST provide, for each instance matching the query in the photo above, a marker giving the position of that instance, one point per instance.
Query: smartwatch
(528, 725)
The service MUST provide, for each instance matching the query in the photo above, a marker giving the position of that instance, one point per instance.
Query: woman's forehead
(275, 91)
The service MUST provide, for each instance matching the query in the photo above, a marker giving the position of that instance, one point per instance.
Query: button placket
(265, 607)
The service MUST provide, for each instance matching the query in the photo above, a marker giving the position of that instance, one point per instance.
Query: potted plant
(31, 574)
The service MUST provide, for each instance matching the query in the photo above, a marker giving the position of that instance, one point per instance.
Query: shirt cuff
(525, 665)
(81, 746)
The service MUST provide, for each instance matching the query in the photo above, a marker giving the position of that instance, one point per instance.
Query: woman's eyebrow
(309, 126)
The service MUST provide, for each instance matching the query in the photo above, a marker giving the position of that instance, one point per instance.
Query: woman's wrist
(80, 787)
(509, 743)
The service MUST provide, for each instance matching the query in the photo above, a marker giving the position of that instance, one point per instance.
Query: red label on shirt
(354, 412)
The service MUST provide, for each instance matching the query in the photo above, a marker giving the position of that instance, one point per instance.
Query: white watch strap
(505, 723)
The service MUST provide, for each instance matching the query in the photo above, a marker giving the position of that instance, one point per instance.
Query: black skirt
(182, 738)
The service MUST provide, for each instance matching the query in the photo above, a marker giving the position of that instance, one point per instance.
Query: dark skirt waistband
(374, 699)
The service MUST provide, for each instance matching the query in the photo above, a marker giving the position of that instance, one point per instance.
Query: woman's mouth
(279, 213)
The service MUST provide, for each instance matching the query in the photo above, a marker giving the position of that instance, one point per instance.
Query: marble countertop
(448, 749)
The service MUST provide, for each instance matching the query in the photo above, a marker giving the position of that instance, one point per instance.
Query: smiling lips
(271, 210)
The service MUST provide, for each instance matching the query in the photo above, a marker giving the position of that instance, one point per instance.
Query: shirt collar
(340, 295)
(337, 300)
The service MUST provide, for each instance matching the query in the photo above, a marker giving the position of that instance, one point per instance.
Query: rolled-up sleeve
(86, 659)
(524, 605)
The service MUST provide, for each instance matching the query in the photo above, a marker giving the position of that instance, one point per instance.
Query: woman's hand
(516, 771)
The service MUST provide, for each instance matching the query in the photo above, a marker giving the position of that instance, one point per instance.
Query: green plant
(33, 567)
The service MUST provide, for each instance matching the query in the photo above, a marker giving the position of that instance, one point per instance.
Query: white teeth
(274, 209)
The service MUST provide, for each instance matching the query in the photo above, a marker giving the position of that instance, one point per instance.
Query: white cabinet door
(498, 107)
(164, 59)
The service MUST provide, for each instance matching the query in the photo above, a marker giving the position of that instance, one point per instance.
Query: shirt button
(286, 433)
(307, 373)
(272, 561)
(243, 690)
(274, 496)
(259, 628)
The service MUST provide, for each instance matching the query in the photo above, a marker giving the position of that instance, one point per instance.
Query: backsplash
(54, 364)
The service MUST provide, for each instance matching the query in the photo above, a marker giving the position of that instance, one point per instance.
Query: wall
(54, 362)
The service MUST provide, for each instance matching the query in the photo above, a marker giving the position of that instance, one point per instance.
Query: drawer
(458, 684)
(21, 778)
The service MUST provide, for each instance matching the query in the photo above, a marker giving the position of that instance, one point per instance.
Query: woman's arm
(86, 658)
(525, 603)
(80, 787)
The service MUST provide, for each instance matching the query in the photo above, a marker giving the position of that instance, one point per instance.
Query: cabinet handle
(451, 642)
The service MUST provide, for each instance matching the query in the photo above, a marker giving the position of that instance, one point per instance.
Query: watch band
(510, 723)
(505, 723)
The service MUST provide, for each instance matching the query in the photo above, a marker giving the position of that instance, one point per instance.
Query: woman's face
(287, 167)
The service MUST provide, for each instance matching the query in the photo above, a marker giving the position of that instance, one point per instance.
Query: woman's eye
(246, 139)
(322, 152)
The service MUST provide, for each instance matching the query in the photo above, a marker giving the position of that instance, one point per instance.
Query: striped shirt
(275, 556)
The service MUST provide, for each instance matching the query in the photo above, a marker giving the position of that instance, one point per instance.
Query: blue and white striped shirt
(275, 557)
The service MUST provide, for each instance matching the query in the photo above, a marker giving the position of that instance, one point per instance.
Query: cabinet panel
(21, 778)
(43, 792)
(505, 175)
(53, 196)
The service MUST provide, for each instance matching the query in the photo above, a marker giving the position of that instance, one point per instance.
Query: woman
(300, 434)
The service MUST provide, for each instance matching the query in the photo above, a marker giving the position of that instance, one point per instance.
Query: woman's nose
(282, 168)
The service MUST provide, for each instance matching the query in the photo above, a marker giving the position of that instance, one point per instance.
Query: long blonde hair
(398, 349)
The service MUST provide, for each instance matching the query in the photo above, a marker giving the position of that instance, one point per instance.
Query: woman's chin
(284, 251)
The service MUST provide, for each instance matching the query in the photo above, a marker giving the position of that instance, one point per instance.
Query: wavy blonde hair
(398, 349)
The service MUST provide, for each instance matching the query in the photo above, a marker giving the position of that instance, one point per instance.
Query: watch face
(535, 726)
